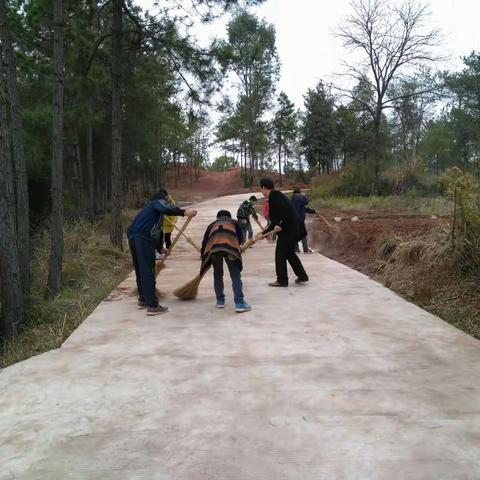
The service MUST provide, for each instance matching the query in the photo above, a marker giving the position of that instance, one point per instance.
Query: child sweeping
(169, 222)
(221, 243)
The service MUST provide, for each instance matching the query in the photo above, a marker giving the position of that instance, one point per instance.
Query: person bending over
(283, 220)
(245, 210)
(143, 234)
(221, 243)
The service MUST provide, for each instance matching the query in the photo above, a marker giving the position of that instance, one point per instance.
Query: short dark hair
(224, 213)
(162, 194)
(297, 190)
(253, 198)
(267, 183)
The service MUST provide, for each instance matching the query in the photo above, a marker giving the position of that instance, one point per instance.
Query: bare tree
(54, 282)
(20, 171)
(11, 298)
(393, 39)
(117, 34)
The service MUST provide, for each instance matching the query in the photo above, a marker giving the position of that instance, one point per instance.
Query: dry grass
(408, 205)
(92, 268)
(424, 269)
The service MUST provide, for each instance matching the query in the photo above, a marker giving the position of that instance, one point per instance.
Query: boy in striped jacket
(221, 243)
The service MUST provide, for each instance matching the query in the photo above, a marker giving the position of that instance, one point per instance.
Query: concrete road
(338, 379)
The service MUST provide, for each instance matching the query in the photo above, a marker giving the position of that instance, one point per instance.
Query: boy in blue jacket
(141, 239)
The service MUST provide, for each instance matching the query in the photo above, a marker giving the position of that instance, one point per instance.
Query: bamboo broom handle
(175, 240)
(189, 239)
(251, 242)
(326, 221)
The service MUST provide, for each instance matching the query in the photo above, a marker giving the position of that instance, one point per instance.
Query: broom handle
(251, 242)
(175, 240)
(189, 240)
(259, 224)
(326, 221)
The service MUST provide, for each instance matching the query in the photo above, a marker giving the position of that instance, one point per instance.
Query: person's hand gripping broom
(189, 291)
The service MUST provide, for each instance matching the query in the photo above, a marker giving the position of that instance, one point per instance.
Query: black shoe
(277, 284)
(141, 305)
(301, 280)
(158, 310)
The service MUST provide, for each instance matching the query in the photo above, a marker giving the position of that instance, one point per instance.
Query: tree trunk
(116, 232)
(21, 181)
(376, 143)
(280, 162)
(11, 297)
(90, 169)
(54, 282)
(80, 187)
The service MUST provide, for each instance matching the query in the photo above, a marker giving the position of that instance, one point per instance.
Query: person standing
(266, 216)
(221, 243)
(300, 204)
(143, 235)
(245, 210)
(169, 222)
(284, 222)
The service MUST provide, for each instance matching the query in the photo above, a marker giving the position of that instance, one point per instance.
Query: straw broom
(189, 291)
(187, 238)
(160, 265)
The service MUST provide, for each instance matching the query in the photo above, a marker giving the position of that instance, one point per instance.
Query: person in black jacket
(283, 220)
(300, 204)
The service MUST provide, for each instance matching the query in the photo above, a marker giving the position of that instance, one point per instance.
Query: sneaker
(141, 305)
(242, 307)
(277, 284)
(301, 280)
(158, 256)
(158, 310)
(220, 303)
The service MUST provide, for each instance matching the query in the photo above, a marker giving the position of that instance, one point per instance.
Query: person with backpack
(221, 244)
(245, 210)
(143, 234)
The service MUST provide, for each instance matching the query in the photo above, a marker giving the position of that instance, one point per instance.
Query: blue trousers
(247, 230)
(235, 275)
(143, 256)
(304, 245)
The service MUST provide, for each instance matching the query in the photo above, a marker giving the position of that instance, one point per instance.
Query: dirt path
(339, 379)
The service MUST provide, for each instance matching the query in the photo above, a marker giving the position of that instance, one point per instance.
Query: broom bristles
(189, 291)
(158, 293)
(159, 266)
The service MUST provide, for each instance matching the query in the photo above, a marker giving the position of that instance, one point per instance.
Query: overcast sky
(309, 51)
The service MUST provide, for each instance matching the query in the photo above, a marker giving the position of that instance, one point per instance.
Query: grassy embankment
(414, 245)
(92, 269)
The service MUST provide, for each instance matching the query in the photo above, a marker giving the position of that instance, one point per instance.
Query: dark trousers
(247, 230)
(143, 256)
(235, 275)
(164, 237)
(285, 252)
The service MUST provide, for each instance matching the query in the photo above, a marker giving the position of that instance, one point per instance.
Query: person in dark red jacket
(284, 221)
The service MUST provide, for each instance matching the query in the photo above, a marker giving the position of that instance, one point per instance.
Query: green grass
(92, 269)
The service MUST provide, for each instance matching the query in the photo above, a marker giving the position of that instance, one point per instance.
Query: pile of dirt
(353, 242)
(411, 255)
